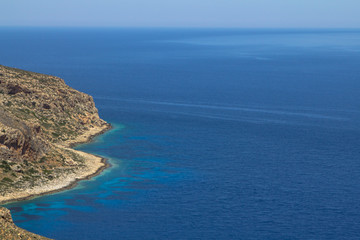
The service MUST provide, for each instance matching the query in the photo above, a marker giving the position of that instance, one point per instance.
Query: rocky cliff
(40, 118)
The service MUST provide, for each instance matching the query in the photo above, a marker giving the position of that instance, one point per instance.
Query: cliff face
(39, 116)
(46, 104)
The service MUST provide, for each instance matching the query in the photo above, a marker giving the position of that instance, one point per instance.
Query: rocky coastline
(41, 119)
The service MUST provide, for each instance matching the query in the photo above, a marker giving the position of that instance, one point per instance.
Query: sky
(182, 13)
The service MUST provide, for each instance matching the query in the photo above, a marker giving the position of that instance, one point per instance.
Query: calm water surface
(218, 134)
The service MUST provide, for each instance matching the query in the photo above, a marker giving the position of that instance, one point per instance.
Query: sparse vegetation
(5, 166)
(6, 180)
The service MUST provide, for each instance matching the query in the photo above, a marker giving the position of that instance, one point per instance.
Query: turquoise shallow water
(218, 134)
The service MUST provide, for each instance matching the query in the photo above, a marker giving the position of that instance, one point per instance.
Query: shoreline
(97, 165)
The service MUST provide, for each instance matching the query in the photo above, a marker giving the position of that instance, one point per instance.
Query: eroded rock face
(5, 216)
(22, 141)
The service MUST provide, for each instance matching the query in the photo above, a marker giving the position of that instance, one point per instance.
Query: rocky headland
(41, 118)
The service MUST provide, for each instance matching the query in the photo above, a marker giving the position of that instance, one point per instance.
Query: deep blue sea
(218, 133)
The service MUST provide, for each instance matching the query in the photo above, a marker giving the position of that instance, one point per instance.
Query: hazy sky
(182, 13)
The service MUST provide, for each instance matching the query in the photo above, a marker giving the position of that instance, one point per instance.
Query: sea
(217, 133)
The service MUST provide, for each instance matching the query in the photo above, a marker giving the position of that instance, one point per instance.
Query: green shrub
(6, 180)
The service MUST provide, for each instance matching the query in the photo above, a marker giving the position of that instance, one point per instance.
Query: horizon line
(185, 27)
